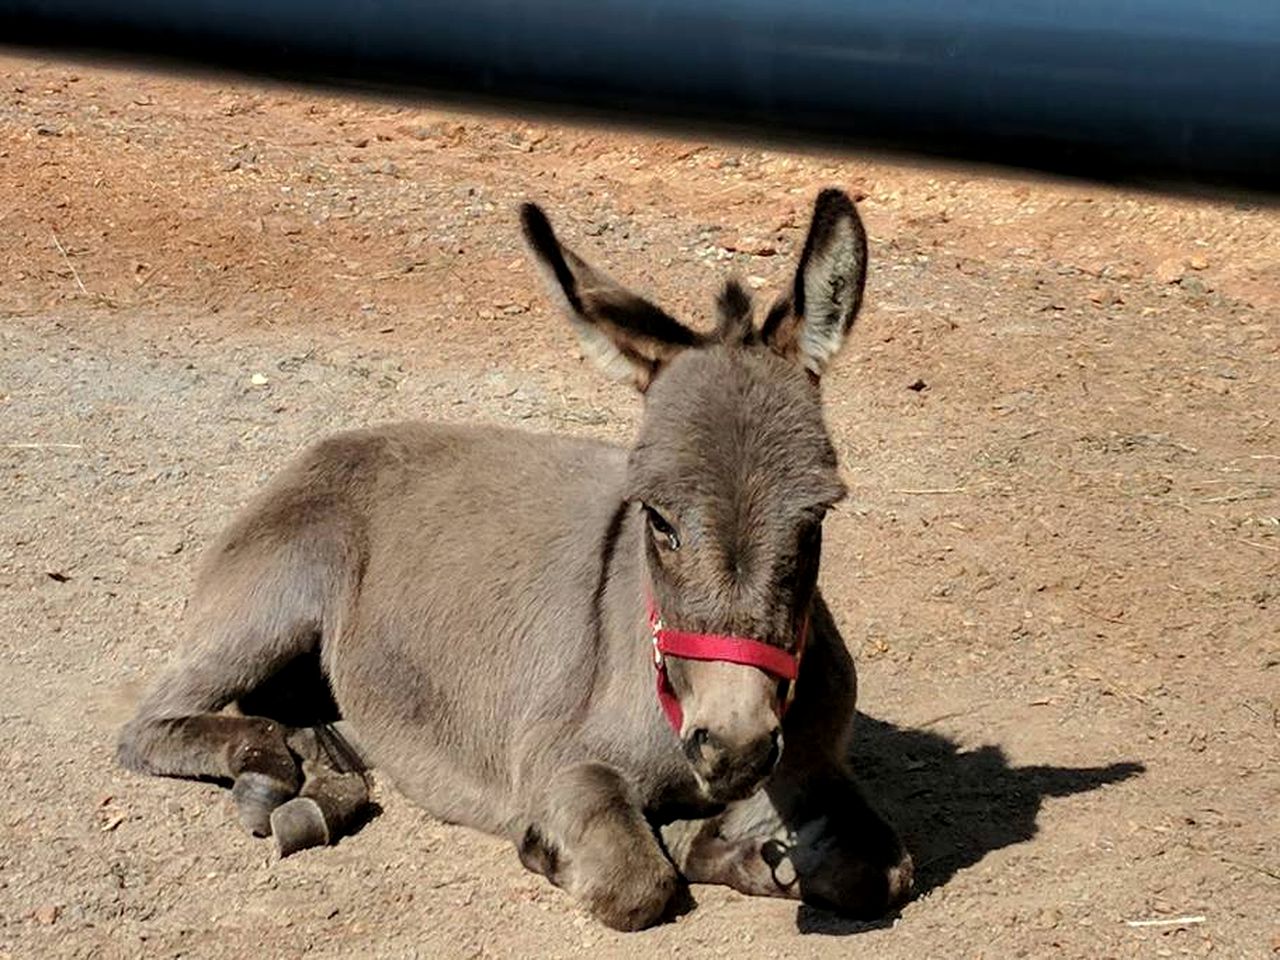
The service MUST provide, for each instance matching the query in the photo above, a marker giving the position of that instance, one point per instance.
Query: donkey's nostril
(695, 743)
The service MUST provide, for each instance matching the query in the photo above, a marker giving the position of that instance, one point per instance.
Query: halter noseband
(727, 649)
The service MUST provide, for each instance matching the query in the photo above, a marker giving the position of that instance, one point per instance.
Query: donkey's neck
(622, 607)
(626, 676)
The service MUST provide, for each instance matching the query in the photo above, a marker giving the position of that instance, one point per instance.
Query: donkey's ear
(627, 335)
(810, 324)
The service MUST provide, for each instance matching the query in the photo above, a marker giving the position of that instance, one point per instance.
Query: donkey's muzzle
(732, 772)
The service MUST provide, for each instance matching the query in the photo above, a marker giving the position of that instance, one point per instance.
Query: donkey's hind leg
(257, 607)
(334, 794)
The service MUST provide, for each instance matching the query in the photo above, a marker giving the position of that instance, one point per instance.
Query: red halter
(717, 646)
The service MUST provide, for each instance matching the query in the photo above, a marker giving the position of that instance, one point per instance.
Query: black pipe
(1179, 92)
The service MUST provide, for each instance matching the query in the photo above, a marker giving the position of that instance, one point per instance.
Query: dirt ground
(1059, 568)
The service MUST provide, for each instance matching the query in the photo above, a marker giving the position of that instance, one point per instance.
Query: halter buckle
(655, 628)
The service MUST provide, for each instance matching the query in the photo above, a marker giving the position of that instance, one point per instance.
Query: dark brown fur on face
(473, 602)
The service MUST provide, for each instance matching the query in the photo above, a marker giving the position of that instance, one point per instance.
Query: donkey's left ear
(810, 325)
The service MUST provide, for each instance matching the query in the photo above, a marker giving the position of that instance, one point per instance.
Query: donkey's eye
(662, 529)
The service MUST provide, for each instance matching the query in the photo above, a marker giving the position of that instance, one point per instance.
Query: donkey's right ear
(627, 335)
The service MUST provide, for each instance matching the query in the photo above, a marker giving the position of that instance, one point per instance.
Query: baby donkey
(619, 659)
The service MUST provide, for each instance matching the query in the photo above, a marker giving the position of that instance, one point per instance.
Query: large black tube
(1180, 91)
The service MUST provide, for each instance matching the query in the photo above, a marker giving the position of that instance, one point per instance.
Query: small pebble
(1169, 271)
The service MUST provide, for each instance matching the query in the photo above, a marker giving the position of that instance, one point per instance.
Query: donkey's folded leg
(320, 814)
(333, 796)
(847, 857)
(591, 838)
(747, 848)
(817, 840)
(703, 855)
(260, 603)
(250, 751)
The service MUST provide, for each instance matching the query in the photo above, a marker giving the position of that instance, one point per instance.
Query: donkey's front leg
(591, 838)
(815, 839)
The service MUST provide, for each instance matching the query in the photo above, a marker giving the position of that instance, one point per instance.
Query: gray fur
(476, 601)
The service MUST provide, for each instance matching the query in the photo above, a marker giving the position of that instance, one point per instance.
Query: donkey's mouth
(730, 789)
(729, 780)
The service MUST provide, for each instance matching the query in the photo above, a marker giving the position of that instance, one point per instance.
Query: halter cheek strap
(727, 649)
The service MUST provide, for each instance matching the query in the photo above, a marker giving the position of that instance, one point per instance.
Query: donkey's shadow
(952, 806)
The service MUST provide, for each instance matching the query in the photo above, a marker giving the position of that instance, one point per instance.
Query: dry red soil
(1059, 568)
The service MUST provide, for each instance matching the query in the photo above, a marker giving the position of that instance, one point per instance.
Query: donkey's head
(734, 472)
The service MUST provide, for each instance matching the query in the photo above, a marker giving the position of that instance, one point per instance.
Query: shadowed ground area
(957, 805)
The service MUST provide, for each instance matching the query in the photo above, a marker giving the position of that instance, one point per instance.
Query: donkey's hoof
(637, 901)
(256, 795)
(328, 805)
(777, 856)
(902, 882)
(299, 824)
